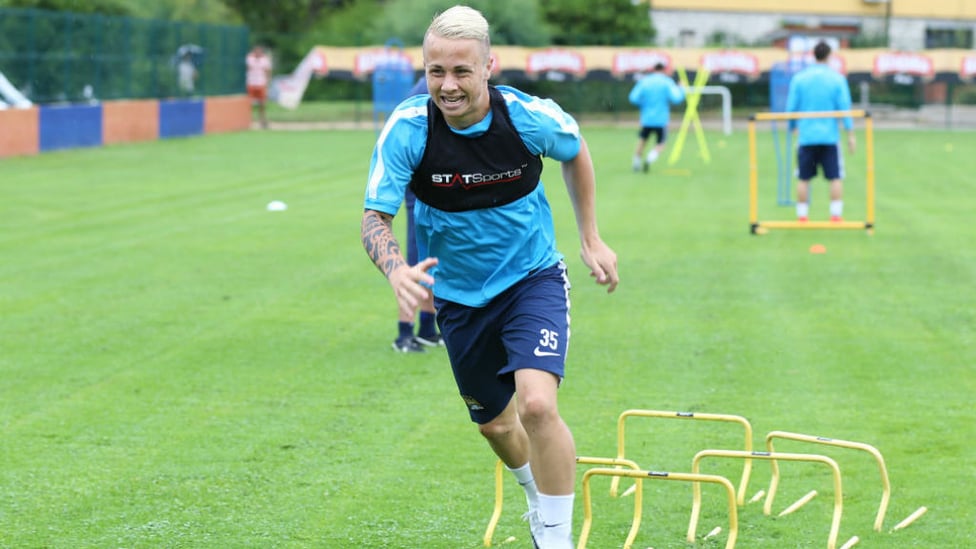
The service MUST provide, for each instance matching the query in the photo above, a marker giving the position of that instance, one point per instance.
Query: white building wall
(907, 34)
(691, 29)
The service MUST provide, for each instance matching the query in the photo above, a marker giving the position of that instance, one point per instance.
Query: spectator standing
(187, 73)
(258, 78)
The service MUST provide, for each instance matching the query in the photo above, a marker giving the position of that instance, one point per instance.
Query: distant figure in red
(257, 80)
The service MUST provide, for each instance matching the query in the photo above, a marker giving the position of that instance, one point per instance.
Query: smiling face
(458, 70)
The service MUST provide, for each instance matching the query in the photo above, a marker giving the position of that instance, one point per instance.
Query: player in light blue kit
(472, 154)
(820, 88)
(653, 94)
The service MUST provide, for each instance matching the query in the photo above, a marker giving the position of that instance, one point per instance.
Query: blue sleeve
(635, 94)
(792, 102)
(844, 101)
(545, 127)
(398, 151)
(677, 94)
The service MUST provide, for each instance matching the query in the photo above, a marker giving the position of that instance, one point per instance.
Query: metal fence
(56, 57)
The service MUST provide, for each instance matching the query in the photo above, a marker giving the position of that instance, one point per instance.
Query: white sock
(837, 207)
(557, 515)
(802, 209)
(652, 156)
(525, 479)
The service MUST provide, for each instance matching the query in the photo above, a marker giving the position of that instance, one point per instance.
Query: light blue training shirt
(654, 94)
(481, 252)
(818, 88)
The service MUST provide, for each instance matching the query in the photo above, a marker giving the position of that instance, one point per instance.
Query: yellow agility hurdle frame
(695, 478)
(587, 507)
(760, 227)
(496, 513)
(835, 469)
(499, 494)
(747, 428)
(885, 484)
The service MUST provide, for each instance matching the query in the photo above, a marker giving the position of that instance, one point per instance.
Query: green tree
(282, 16)
(197, 11)
(288, 27)
(104, 7)
(513, 22)
(604, 22)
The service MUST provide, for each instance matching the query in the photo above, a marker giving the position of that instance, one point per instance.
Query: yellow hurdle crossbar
(746, 426)
(760, 227)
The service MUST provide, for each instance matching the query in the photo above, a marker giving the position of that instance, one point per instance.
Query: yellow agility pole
(695, 478)
(753, 180)
(869, 152)
(835, 469)
(500, 493)
(747, 446)
(761, 227)
(885, 484)
(692, 98)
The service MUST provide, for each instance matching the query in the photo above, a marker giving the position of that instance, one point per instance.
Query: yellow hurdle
(761, 227)
(747, 446)
(835, 469)
(695, 478)
(496, 513)
(638, 498)
(885, 484)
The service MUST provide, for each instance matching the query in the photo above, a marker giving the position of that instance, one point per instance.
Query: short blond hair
(460, 23)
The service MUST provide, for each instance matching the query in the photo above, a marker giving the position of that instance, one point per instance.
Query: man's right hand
(411, 285)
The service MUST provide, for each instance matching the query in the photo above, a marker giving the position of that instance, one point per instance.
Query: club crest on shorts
(472, 403)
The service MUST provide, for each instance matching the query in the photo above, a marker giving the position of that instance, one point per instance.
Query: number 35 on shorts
(548, 343)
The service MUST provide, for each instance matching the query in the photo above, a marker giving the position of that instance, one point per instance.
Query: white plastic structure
(726, 102)
(10, 94)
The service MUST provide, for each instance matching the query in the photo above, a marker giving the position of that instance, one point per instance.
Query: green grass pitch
(182, 368)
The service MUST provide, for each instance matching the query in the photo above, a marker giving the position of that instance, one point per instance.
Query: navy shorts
(808, 157)
(660, 131)
(526, 326)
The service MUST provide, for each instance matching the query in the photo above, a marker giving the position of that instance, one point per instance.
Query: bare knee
(497, 429)
(537, 410)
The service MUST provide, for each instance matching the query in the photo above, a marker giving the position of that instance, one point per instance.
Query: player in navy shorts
(819, 88)
(472, 154)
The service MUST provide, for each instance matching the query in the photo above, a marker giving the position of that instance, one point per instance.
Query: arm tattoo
(381, 246)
